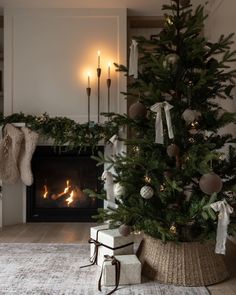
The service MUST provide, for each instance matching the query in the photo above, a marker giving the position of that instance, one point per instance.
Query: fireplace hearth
(60, 176)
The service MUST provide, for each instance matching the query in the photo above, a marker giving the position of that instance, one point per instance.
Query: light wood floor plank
(79, 233)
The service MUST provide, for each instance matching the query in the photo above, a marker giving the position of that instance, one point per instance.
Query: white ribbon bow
(109, 185)
(114, 140)
(133, 59)
(224, 210)
(159, 124)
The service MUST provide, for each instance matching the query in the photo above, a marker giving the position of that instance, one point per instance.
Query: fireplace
(60, 176)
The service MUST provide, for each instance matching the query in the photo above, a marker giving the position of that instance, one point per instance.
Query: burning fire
(70, 199)
(66, 190)
(45, 194)
(69, 196)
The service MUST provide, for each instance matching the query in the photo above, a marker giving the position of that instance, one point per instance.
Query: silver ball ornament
(210, 183)
(170, 60)
(124, 230)
(146, 192)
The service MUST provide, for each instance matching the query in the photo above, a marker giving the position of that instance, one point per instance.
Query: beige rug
(53, 269)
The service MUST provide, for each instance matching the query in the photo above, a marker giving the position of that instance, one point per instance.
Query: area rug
(54, 269)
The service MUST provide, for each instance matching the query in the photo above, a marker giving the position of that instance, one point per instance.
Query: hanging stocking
(27, 150)
(9, 154)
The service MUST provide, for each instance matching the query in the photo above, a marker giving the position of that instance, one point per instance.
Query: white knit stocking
(9, 154)
(27, 150)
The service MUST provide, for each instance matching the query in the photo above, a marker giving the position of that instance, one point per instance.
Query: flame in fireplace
(45, 194)
(70, 195)
(66, 190)
(70, 199)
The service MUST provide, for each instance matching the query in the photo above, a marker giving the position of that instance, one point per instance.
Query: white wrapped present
(105, 241)
(120, 270)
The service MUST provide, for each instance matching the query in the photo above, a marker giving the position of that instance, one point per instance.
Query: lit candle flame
(89, 75)
(45, 192)
(70, 199)
(109, 70)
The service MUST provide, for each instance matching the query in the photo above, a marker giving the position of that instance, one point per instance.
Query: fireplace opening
(60, 176)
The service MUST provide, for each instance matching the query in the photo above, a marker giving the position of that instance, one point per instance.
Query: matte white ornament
(146, 192)
(119, 190)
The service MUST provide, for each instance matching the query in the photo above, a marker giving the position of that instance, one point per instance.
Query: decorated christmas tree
(177, 174)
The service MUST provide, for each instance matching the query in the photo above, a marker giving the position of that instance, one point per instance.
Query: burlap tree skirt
(185, 264)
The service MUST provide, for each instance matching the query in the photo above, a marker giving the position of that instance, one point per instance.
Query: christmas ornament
(133, 59)
(172, 150)
(170, 60)
(191, 140)
(137, 111)
(173, 229)
(119, 190)
(157, 108)
(190, 115)
(210, 183)
(124, 230)
(146, 192)
(162, 188)
(224, 210)
(147, 179)
(136, 149)
(184, 3)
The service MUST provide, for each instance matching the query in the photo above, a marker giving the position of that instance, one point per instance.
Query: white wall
(222, 20)
(47, 55)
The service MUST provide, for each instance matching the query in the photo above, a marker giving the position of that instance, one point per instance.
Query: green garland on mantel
(66, 132)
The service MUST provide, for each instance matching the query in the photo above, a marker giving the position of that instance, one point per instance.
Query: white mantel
(47, 53)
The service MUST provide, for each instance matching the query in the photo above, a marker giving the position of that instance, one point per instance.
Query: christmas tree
(176, 163)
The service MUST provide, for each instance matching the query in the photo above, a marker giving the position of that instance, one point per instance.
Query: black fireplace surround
(60, 176)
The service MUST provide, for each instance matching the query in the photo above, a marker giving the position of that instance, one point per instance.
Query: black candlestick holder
(99, 71)
(108, 94)
(88, 91)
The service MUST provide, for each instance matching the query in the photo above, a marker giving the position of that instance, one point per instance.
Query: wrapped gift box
(130, 271)
(112, 243)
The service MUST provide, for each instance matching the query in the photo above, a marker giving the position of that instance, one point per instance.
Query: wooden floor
(79, 233)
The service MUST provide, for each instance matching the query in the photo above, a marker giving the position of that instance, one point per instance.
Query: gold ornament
(173, 229)
(169, 20)
(136, 149)
(191, 140)
(147, 179)
(194, 124)
(162, 188)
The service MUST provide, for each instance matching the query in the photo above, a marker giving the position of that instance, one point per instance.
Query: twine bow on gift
(224, 210)
(133, 59)
(157, 108)
(109, 185)
(94, 257)
(115, 262)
